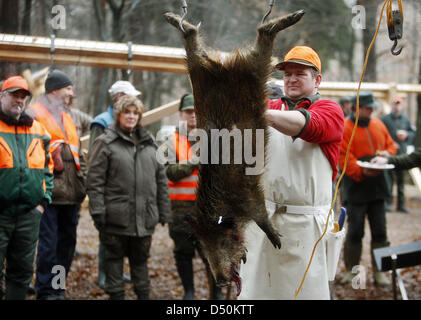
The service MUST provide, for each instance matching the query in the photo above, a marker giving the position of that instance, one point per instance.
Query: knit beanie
(57, 79)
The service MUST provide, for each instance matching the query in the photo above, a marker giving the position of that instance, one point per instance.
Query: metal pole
(394, 259)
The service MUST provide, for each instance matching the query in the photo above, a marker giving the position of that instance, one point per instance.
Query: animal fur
(230, 92)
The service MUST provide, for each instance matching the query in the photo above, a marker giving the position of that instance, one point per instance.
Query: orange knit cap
(302, 55)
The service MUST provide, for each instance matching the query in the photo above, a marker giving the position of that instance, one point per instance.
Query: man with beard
(57, 238)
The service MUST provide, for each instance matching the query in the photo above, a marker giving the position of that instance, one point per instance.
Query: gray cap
(366, 99)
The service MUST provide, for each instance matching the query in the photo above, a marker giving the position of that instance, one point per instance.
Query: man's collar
(292, 105)
(396, 115)
(362, 122)
(24, 119)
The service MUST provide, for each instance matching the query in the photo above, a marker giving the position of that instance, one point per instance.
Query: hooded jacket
(25, 175)
(126, 184)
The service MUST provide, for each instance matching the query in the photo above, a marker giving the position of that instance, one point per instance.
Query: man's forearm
(288, 122)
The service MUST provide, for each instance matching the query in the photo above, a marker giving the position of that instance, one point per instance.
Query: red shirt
(325, 127)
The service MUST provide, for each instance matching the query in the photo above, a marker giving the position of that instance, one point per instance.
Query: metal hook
(269, 11)
(184, 7)
(395, 53)
(52, 50)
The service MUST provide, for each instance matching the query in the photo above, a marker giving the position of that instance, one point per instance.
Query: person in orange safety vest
(182, 182)
(57, 238)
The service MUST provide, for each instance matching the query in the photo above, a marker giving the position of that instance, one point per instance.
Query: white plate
(369, 165)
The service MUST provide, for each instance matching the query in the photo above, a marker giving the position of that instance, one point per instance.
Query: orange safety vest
(69, 137)
(184, 189)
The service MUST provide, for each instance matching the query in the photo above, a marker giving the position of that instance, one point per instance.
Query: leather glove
(190, 163)
(58, 161)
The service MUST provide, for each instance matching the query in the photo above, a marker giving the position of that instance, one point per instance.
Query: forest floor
(166, 285)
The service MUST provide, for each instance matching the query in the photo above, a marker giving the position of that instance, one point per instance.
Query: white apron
(297, 174)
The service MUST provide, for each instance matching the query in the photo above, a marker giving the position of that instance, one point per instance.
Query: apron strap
(286, 208)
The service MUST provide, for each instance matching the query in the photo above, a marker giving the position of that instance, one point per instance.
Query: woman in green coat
(128, 196)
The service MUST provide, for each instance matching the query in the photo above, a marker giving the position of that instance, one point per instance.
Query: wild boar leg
(194, 48)
(267, 32)
(270, 231)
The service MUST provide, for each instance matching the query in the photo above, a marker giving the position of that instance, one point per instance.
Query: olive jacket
(406, 161)
(127, 186)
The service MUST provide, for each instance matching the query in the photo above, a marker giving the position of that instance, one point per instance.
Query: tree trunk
(417, 139)
(100, 98)
(371, 7)
(26, 18)
(9, 24)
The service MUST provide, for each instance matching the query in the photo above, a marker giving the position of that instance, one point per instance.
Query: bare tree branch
(100, 19)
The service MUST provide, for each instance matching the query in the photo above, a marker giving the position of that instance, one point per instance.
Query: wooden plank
(92, 61)
(91, 53)
(415, 174)
(149, 117)
(159, 113)
(380, 90)
(19, 48)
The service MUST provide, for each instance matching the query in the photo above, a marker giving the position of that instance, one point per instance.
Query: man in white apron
(305, 136)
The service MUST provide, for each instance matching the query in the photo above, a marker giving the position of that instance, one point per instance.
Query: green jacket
(25, 178)
(407, 161)
(127, 186)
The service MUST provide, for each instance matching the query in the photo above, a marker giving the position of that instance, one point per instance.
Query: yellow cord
(389, 10)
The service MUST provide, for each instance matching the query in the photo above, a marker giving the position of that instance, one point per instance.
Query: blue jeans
(56, 246)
